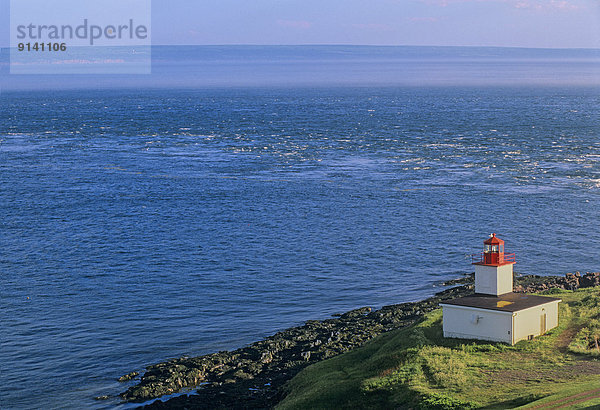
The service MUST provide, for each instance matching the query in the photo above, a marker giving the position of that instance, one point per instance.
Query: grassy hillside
(417, 368)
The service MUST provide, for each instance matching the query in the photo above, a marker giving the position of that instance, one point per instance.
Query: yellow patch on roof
(503, 303)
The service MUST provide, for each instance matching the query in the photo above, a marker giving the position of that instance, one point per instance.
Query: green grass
(417, 368)
(587, 339)
(567, 396)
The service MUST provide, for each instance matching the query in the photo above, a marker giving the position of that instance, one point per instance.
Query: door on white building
(543, 324)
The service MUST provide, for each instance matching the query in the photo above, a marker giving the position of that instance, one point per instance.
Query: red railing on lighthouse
(502, 258)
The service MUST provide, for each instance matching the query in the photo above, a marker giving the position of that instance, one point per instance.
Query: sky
(508, 23)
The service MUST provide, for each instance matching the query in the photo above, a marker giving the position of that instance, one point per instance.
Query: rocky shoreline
(254, 376)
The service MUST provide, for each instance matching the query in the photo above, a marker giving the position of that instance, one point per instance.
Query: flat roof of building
(509, 302)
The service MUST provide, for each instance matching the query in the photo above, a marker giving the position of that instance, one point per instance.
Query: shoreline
(254, 376)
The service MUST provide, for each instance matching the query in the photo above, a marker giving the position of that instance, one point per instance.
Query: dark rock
(240, 374)
(128, 377)
(356, 313)
(571, 281)
(267, 357)
(466, 279)
(590, 279)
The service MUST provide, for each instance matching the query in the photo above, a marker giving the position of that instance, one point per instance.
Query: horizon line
(359, 45)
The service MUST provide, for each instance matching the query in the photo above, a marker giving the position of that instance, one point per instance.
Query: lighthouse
(494, 268)
(494, 312)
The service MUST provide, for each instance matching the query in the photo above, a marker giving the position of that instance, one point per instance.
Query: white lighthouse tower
(494, 312)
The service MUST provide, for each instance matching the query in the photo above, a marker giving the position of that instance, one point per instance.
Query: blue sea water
(141, 224)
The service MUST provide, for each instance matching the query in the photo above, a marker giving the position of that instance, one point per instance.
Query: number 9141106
(42, 47)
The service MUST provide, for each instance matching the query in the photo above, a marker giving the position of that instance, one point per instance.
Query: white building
(494, 312)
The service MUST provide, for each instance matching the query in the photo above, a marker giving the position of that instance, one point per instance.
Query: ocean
(238, 191)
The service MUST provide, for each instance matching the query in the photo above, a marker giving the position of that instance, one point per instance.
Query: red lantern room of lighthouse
(493, 252)
(493, 268)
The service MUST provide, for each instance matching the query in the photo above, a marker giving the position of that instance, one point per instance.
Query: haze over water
(238, 191)
(177, 67)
